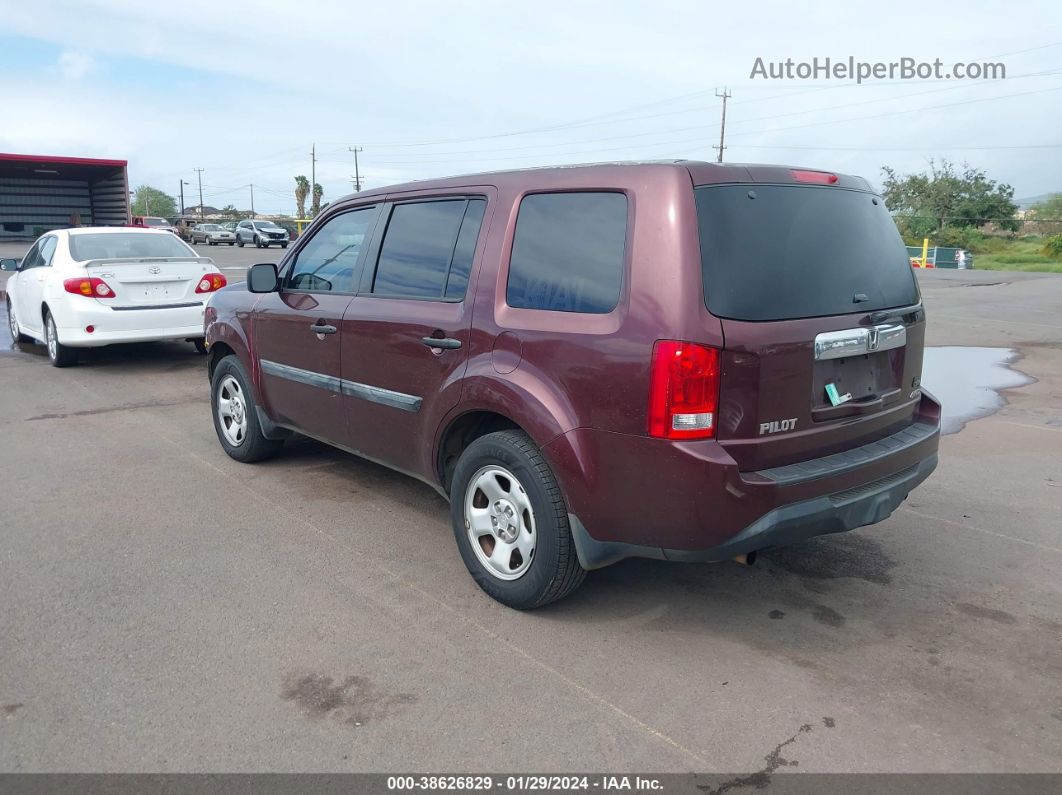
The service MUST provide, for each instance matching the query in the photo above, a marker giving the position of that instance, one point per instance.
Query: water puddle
(967, 382)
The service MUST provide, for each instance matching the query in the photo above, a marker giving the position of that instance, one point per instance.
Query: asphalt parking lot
(168, 609)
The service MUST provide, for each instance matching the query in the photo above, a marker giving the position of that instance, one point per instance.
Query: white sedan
(86, 287)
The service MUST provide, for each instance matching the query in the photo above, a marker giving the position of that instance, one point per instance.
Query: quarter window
(568, 252)
(428, 248)
(328, 262)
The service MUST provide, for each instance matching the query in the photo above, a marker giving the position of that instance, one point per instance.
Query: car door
(240, 229)
(31, 285)
(296, 328)
(406, 333)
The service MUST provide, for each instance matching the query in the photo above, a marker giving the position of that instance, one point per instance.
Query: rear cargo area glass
(780, 252)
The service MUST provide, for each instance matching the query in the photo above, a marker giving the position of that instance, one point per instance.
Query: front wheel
(257, 242)
(13, 325)
(511, 523)
(283, 245)
(58, 354)
(239, 242)
(235, 416)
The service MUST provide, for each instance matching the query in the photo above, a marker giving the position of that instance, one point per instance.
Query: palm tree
(302, 190)
(318, 192)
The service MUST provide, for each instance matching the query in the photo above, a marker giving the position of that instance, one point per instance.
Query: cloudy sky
(243, 90)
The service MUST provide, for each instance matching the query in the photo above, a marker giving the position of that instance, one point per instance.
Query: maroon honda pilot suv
(684, 361)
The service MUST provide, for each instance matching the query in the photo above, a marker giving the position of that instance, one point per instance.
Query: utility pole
(252, 200)
(183, 183)
(357, 175)
(313, 170)
(722, 127)
(199, 174)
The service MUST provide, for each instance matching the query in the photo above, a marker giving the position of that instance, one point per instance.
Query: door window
(428, 248)
(328, 262)
(47, 250)
(33, 258)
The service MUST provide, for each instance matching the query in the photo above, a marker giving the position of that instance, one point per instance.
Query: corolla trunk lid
(821, 316)
(149, 283)
(144, 269)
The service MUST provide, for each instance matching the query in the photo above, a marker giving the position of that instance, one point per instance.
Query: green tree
(230, 211)
(302, 190)
(950, 197)
(1050, 209)
(152, 201)
(318, 192)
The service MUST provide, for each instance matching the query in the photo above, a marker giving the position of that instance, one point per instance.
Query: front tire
(511, 523)
(257, 242)
(58, 354)
(283, 245)
(233, 407)
(239, 242)
(16, 335)
(200, 346)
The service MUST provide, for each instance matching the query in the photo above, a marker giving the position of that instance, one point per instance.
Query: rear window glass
(778, 252)
(127, 245)
(568, 252)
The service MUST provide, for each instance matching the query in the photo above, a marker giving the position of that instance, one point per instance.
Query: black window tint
(328, 262)
(568, 252)
(777, 252)
(417, 249)
(461, 266)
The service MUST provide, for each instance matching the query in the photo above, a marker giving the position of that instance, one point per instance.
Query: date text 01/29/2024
(537, 783)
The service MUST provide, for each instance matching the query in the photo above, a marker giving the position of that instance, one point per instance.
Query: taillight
(814, 177)
(683, 390)
(211, 282)
(90, 286)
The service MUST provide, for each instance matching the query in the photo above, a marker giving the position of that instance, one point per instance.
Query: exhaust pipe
(746, 558)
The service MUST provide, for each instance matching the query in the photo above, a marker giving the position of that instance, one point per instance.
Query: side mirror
(8, 264)
(262, 278)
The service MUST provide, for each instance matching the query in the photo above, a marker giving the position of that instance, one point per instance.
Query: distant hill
(1025, 204)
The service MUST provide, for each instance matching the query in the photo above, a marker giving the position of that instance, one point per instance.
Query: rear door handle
(441, 343)
(323, 329)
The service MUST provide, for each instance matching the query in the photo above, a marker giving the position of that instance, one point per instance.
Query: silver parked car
(262, 233)
(211, 234)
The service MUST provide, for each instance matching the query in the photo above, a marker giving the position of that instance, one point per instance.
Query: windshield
(209, 227)
(266, 225)
(779, 252)
(155, 222)
(126, 245)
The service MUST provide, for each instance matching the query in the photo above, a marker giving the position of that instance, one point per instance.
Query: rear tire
(58, 354)
(233, 407)
(503, 492)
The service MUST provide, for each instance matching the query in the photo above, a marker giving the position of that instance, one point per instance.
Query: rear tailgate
(816, 297)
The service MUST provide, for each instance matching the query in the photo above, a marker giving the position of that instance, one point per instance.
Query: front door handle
(321, 328)
(441, 343)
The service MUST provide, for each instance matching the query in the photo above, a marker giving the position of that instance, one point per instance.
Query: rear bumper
(690, 502)
(111, 326)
